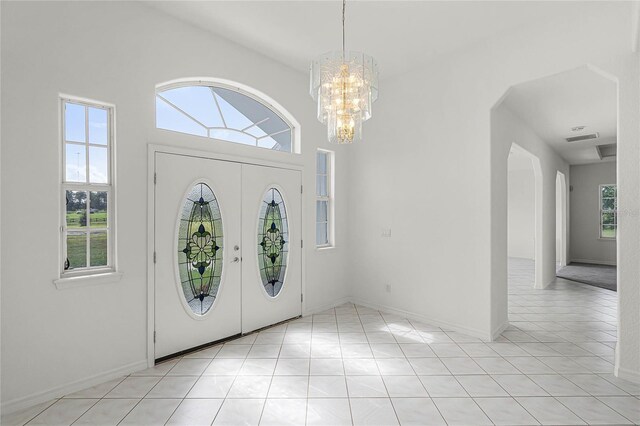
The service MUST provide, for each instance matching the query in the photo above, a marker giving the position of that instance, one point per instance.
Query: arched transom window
(222, 113)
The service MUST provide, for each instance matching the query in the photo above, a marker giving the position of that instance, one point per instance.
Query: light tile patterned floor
(354, 365)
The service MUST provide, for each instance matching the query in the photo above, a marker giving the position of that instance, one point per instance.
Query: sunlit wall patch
(200, 243)
(273, 240)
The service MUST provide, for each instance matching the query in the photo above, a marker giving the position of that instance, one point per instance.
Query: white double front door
(227, 249)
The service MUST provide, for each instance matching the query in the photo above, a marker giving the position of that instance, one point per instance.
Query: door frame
(152, 150)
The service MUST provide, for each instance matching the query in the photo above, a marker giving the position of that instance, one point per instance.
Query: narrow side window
(324, 199)
(608, 211)
(87, 188)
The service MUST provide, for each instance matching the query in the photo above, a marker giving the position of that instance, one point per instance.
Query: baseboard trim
(521, 258)
(315, 309)
(498, 330)
(17, 404)
(411, 315)
(626, 374)
(11, 406)
(595, 262)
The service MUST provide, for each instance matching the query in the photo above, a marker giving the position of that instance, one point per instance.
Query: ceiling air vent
(583, 137)
(606, 151)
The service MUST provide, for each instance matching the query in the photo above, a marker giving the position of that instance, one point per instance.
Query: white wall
(521, 211)
(55, 341)
(431, 156)
(586, 244)
(431, 144)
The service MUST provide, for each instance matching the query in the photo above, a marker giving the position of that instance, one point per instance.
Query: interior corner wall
(521, 213)
(586, 244)
(57, 341)
(436, 181)
(421, 176)
(429, 170)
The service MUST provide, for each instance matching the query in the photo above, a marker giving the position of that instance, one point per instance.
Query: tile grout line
(266, 397)
(573, 335)
(140, 400)
(346, 385)
(83, 413)
(418, 377)
(53, 401)
(378, 368)
(613, 408)
(99, 399)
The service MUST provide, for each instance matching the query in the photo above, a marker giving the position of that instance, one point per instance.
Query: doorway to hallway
(561, 220)
(523, 210)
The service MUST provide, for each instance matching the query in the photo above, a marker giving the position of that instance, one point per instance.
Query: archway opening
(561, 220)
(524, 180)
(569, 122)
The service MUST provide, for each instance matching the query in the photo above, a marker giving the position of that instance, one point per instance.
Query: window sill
(85, 280)
(324, 248)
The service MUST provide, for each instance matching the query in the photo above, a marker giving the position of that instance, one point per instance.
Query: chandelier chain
(344, 5)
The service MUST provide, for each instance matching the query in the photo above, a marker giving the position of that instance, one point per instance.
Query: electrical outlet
(386, 233)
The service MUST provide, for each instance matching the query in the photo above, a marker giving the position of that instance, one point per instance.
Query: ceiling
(401, 35)
(405, 35)
(553, 105)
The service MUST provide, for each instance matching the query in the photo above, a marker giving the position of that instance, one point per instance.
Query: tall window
(324, 199)
(222, 113)
(608, 214)
(87, 188)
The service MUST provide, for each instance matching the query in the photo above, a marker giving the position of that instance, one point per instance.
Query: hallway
(355, 365)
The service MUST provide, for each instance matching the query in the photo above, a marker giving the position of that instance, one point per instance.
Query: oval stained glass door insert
(273, 238)
(200, 248)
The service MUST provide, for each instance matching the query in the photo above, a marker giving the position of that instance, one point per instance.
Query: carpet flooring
(602, 276)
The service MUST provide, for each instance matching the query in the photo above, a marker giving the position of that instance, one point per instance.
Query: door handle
(236, 248)
(235, 260)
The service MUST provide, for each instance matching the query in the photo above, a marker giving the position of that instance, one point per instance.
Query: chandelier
(344, 84)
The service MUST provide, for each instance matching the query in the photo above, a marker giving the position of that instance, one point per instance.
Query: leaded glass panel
(200, 243)
(273, 240)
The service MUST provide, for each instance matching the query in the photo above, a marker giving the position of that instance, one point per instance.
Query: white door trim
(152, 149)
